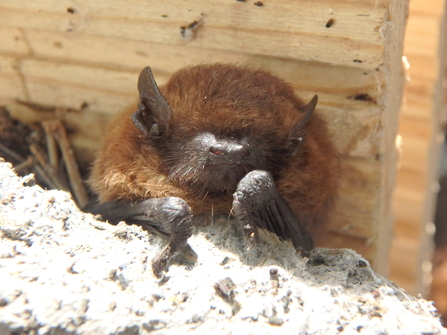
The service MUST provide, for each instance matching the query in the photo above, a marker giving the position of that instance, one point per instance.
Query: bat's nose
(225, 151)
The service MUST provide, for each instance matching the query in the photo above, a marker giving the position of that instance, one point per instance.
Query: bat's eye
(244, 153)
(215, 151)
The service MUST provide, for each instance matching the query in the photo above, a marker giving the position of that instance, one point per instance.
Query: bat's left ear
(296, 136)
(153, 114)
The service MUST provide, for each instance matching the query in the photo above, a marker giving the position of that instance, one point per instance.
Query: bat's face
(214, 164)
(217, 123)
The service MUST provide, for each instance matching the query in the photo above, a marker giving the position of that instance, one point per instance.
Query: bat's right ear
(307, 111)
(153, 114)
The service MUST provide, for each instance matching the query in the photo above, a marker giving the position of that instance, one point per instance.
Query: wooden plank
(420, 130)
(415, 128)
(414, 132)
(410, 213)
(91, 77)
(359, 192)
(417, 110)
(354, 129)
(130, 55)
(420, 41)
(412, 186)
(295, 30)
(414, 152)
(121, 53)
(432, 8)
(404, 260)
(72, 86)
(133, 55)
(12, 41)
(422, 68)
(387, 127)
(11, 84)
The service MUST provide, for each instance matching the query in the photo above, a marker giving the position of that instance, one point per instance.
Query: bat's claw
(175, 218)
(242, 214)
(169, 218)
(160, 261)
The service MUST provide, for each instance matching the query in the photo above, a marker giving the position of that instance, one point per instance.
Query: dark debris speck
(361, 97)
(330, 23)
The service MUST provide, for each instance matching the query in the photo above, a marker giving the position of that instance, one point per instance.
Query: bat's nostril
(215, 151)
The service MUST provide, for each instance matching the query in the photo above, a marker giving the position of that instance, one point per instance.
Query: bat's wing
(257, 204)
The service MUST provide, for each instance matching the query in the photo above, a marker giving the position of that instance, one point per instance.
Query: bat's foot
(257, 204)
(175, 219)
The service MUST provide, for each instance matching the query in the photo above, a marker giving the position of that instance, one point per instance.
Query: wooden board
(294, 29)
(11, 80)
(420, 130)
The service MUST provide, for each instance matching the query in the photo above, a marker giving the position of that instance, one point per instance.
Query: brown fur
(222, 99)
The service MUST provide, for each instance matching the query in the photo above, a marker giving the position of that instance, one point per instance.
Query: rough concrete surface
(63, 272)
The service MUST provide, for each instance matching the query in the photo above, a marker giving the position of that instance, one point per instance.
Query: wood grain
(12, 41)
(293, 29)
(11, 81)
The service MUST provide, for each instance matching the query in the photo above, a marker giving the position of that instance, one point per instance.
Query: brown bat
(217, 138)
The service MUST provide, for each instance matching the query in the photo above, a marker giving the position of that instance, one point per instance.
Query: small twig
(52, 174)
(35, 150)
(24, 165)
(44, 176)
(11, 153)
(79, 192)
(36, 107)
(53, 153)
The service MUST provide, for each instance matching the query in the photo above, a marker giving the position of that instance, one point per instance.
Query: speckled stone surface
(63, 272)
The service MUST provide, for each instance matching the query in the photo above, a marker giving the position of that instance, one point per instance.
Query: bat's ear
(297, 134)
(307, 111)
(153, 114)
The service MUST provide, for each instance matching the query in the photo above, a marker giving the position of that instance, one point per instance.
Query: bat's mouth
(229, 168)
(223, 178)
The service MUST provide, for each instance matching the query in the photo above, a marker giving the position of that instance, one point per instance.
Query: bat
(217, 138)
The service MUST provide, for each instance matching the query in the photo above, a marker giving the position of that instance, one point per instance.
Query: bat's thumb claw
(160, 261)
